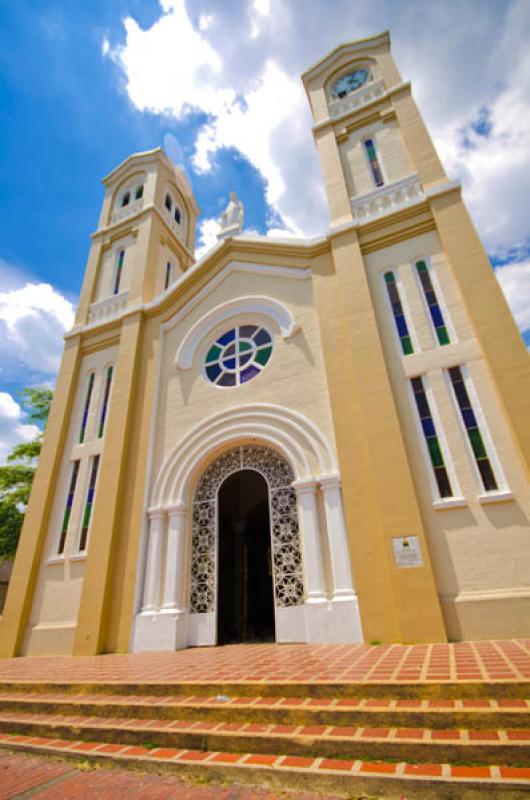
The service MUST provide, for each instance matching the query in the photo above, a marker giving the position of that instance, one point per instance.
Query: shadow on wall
(5, 574)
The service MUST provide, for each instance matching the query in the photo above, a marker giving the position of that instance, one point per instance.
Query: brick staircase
(385, 739)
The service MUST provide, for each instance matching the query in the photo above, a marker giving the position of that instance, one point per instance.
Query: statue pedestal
(231, 230)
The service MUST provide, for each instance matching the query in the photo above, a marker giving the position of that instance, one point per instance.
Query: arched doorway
(283, 540)
(245, 596)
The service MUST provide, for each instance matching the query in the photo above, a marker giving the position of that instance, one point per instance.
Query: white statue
(232, 218)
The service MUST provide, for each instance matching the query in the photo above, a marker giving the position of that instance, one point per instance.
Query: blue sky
(83, 85)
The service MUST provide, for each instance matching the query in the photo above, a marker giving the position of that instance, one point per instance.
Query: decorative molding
(375, 90)
(388, 199)
(266, 306)
(108, 308)
(289, 432)
(347, 48)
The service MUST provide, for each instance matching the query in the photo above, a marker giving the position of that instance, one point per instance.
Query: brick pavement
(49, 780)
(501, 660)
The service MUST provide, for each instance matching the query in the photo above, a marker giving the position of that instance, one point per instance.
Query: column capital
(156, 513)
(305, 486)
(331, 481)
(178, 510)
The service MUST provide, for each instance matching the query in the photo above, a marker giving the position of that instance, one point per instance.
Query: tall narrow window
(86, 409)
(126, 199)
(68, 509)
(177, 215)
(168, 275)
(377, 174)
(139, 192)
(472, 429)
(119, 270)
(104, 407)
(399, 315)
(431, 438)
(432, 302)
(89, 504)
(167, 202)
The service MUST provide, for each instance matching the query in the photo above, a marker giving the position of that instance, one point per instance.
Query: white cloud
(207, 231)
(243, 71)
(33, 319)
(13, 430)
(515, 282)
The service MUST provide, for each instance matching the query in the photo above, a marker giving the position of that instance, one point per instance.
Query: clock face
(348, 83)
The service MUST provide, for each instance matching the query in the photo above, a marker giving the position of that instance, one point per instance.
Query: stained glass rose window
(238, 355)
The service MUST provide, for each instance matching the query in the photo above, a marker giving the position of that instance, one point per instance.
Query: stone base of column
(334, 622)
(160, 630)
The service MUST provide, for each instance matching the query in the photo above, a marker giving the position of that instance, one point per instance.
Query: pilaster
(95, 596)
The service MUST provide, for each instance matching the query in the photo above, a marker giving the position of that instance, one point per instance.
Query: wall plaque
(407, 551)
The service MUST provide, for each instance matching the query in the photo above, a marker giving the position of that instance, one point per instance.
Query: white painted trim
(251, 304)
(495, 497)
(438, 501)
(440, 298)
(288, 431)
(502, 484)
(406, 311)
(449, 502)
(55, 560)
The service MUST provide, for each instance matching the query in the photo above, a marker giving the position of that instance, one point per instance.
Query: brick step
(369, 712)
(511, 747)
(422, 690)
(344, 776)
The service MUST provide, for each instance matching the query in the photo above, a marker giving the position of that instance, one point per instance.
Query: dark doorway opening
(245, 595)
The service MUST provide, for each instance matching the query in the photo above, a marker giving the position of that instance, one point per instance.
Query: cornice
(358, 46)
(332, 122)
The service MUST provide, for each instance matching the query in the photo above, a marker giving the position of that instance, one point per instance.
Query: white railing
(126, 211)
(106, 309)
(387, 199)
(357, 99)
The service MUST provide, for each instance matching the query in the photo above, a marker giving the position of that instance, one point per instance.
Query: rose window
(238, 355)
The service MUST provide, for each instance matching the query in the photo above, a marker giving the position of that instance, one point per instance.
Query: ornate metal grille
(286, 551)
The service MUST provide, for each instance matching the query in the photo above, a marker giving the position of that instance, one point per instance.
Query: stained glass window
(106, 395)
(432, 302)
(238, 355)
(86, 408)
(472, 429)
(168, 275)
(89, 504)
(399, 314)
(431, 438)
(119, 270)
(68, 509)
(369, 146)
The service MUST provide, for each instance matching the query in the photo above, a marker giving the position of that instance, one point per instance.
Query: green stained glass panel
(476, 443)
(406, 344)
(435, 452)
(86, 517)
(244, 346)
(262, 356)
(443, 336)
(213, 354)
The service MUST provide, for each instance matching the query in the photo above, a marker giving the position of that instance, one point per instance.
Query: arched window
(177, 215)
(168, 203)
(398, 313)
(86, 409)
(125, 200)
(139, 192)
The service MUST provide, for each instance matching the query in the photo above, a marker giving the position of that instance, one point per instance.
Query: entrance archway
(245, 595)
(207, 525)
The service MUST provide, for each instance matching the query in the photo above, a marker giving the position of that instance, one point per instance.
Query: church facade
(318, 440)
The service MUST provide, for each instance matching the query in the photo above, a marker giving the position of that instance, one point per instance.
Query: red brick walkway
(501, 660)
(23, 776)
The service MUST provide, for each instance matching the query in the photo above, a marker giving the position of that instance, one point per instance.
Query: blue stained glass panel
(248, 373)
(262, 337)
(428, 427)
(213, 371)
(227, 337)
(244, 359)
(229, 363)
(401, 325)
(436, 315)
(469, 418)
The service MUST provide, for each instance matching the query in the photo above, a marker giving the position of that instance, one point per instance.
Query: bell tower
(395, 214)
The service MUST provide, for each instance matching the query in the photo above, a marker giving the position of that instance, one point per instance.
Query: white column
(175, 559)
(153, 566)
(310, 531)
(338, 542)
